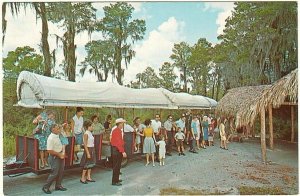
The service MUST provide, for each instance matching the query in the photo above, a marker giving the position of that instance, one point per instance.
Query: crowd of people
(153, 138)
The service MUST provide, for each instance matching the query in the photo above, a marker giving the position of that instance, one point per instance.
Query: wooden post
(263, 134)
(253, 129)
(271, 127)
(292, 119)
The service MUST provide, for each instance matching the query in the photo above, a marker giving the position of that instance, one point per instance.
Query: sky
(167, 23)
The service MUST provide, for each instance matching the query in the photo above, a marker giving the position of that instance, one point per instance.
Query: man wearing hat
(117, 151)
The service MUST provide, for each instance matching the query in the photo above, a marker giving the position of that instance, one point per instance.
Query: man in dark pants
(117, 151)
(56, 160)
(168, 125)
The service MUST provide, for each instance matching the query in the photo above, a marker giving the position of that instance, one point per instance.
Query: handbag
(77, 148)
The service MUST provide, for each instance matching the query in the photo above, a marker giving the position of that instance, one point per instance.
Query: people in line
(188, 121)
(223, 134)
(162, 138)
(179, 138)
(194, 134)
(180, 123)
(108, 123)
(42, 132)
(139, 127)
(162, 150)
(56, 160)
(117, 151)
(98, 128)
(77, 129)
(156, 126)
(88, 160)
(149, 142)
(169, 126)
(205, 126)
(198, 127)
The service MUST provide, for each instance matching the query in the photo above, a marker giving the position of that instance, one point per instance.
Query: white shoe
(163, 163)
(160, 164)
(147, 164)
(153, 165)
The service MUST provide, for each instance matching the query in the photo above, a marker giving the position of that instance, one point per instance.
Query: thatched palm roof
(245, 103)
(239, 98)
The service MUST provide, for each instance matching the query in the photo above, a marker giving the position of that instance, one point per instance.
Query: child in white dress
(162, 150)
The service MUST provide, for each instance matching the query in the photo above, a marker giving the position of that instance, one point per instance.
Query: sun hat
(120, 120)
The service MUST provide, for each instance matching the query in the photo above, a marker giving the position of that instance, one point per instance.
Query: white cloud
(156, 49)
(225, 10)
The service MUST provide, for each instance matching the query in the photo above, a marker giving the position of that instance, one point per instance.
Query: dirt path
(211, 171)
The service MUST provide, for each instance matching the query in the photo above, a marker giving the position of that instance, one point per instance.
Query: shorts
(210, 138)
(179, 142)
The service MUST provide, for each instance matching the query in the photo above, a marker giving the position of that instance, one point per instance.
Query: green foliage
(259, 43)
(199, 65)
(99, 59)
(17, 120)
(168, 77)
(23, 58)
(180, 56)
(149, 79)
(73, 18)
(117, 27)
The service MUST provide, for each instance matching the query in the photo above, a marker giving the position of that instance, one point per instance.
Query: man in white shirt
(156, 125)
(56, 160)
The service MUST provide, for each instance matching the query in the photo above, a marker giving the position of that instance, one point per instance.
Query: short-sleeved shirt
(194, 127)
(156, 125)
(168, 125)
(181, 124)
(128, 128)
(141, 127)
(148, 132)
(179, 136)
(98, 128)
(54, 143)
(90, 142)
(78, 124)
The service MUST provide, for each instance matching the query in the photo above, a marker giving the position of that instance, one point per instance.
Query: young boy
(179, 138)
(161, 150)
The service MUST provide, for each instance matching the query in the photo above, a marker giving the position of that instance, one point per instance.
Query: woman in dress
(88, 159)
(223, 134)
(41, 133)
(149, 143)
(205, 126)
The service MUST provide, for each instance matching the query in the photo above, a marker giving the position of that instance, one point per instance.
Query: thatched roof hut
(239, 99)
(245, 103)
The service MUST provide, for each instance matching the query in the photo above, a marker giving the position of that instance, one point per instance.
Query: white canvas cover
(36, 91)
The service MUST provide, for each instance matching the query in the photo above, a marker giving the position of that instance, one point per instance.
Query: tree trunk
(263, 135)
(213, 88)
(271, 127)
(4, 22)
(118, 62)
(292, 119)
(70, 56)
(218, 88)
(45, 44)
(253, 129)
(184, 79)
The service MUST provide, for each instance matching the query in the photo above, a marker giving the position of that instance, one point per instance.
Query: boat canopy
(37, 91)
